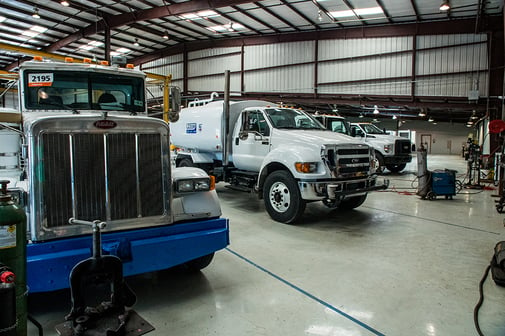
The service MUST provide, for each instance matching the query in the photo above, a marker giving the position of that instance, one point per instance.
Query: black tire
(396, 168)
(380, 160)
(282, 198)
(185, 162)
(352, 202)
(197, 264)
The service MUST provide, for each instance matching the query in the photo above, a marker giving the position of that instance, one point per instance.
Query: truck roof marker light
(69, 60)
(104, 62)
(130, 66)
(86, 60)
(38, 58)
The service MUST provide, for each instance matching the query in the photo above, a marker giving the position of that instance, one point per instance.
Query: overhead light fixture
(430, 120)
(64, 3)
(319, 16)
(422, 113)
(361, 115)
(230, 27)
(474, 116)
(394, 117)
(2, 18)
(165, 35)
(375, 109)
(445, 5)
(136, 43)
(36, 13)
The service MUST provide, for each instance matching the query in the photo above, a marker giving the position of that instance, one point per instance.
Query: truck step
(238, 187)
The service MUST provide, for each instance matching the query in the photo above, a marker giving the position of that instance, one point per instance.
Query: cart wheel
(431, 196)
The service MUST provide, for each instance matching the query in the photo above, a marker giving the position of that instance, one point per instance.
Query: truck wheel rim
(280, 197)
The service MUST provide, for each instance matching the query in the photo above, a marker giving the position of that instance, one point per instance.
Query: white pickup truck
(284, 154)
(392, 152)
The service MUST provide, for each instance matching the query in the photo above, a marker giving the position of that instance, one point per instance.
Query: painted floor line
(324, 303)
(434, 220)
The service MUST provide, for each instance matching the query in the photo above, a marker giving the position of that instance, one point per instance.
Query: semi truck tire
(197, 264)
(282, 197)
(396, 168)
(352, 202)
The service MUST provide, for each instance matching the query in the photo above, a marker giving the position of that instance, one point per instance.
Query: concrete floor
(397, 265)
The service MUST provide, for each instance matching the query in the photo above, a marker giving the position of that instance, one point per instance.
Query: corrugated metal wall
(439, 65)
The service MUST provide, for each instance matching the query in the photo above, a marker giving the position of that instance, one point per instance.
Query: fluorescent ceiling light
(38, 29)
(198, 15)
(86, 47)
(341, 14)
(123, 50)
(30, 33)
(95, 43)
(368, 11)
(114, 53)
(357, 11)
(2, 18)
(206, 13)
(227, 27)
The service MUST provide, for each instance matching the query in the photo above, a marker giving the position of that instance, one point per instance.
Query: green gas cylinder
(13, 251)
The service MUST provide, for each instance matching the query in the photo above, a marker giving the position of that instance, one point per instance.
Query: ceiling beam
(113, 21)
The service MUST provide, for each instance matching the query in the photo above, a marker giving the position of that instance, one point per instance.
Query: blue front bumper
(141, 250)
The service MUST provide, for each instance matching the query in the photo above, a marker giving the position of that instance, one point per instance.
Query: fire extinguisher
(13, 256)
(8, 321)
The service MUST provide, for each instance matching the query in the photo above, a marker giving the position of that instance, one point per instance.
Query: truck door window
(338, 126)
(357, 131)
(256, 123)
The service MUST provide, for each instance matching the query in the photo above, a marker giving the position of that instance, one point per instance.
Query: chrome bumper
(316, 191)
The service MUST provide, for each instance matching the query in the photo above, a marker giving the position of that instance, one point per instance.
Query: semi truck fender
(284, 158)
(194, 205)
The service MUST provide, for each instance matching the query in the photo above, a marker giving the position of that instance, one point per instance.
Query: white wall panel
(176, 70)
(431, 41)
(287, 79)
(164, 61)
(335, 49)
(365, 68)
(453, 85)
(213, 83)
(212, 52)
(214, 65)
(397, 87)
(270, 55)
(452, 59)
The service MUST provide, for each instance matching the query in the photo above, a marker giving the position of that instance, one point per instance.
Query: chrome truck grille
(349, 161)
(114, 177)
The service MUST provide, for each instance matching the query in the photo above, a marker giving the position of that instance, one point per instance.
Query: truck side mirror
(175, 99)
(243, 135)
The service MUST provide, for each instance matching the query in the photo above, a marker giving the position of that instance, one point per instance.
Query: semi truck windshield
(64, 90)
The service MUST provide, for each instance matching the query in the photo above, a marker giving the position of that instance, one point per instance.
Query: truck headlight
(306, 167)
(388, 148)
(195, 184)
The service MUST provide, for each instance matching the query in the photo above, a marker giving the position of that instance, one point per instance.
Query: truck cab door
(251, 141)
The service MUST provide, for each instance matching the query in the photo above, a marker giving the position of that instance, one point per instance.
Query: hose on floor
(481, 300)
